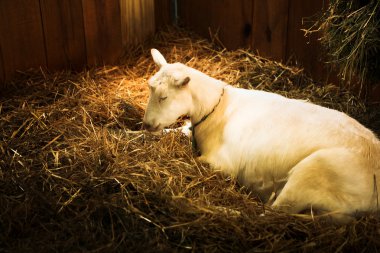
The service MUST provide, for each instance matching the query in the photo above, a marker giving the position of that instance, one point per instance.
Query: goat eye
(162, 99)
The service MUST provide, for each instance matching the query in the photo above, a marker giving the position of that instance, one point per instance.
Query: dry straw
(351, 36)
(77, 173)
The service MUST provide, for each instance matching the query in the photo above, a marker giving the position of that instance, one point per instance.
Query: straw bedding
(78, 175)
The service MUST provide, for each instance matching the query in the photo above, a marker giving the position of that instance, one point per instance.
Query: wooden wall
(271, 27)
(61, 34)
(58, 34)
(138, 20)
(163, 13)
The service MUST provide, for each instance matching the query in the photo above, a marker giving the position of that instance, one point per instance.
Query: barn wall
(58, 34)
(63, 34)
(231, 20)
(163, 13)
(138, 20)
(271, 27)
(21, 36)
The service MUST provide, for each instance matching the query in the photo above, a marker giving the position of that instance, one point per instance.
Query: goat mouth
(154, 128)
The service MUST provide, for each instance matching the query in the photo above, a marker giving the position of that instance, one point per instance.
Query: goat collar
(193, 140)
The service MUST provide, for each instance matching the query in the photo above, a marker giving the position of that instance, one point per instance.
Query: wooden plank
(373, 95)
(102, 27)
(305, 50)
(2, 72)
(162, 13)
(197, 15)
(21, 36)
(230, 19)
(64, 33)
(269, 30)
(236, 17)
(137, 20)
(124, 21)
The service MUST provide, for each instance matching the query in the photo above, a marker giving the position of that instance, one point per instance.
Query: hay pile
(351, 37)
(78, 175)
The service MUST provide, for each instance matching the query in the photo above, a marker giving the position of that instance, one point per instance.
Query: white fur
(158, 57)
(185, 129)
(303, 154)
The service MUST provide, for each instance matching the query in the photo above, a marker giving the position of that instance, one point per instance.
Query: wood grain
(231, 20)
(21, 36)
(64, 33)
(373, 94)
(271, 27)
(269, 30)
(2, 72)
(162, 13)
(301, 50)
(102, 28)
(72, 33)
(137, 20)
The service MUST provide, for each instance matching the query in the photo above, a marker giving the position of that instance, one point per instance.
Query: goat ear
(158, 58)
(183, 82)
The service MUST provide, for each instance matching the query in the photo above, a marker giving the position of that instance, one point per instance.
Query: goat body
(293, 154)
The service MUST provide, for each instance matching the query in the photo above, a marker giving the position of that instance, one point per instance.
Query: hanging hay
(78, 175)
(351, 37)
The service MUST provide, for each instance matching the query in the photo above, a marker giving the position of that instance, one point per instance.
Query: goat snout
(151, 127)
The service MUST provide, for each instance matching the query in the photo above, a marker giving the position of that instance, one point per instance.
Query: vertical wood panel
(275, 27)
(307, 51)
(230, 18)
(373, 94)
(269, 30)
(21, 36)
(64, 33)
(2, 73)
(200, 22)
(137, 20)
(102, 27)
(236, 16)
(162, 13)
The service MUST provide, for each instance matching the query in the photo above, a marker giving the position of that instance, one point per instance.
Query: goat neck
(206, 92)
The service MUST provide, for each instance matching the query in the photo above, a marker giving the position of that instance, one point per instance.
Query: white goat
(293, 154)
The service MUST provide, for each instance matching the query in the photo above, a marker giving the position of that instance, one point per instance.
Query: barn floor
(78, 175)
